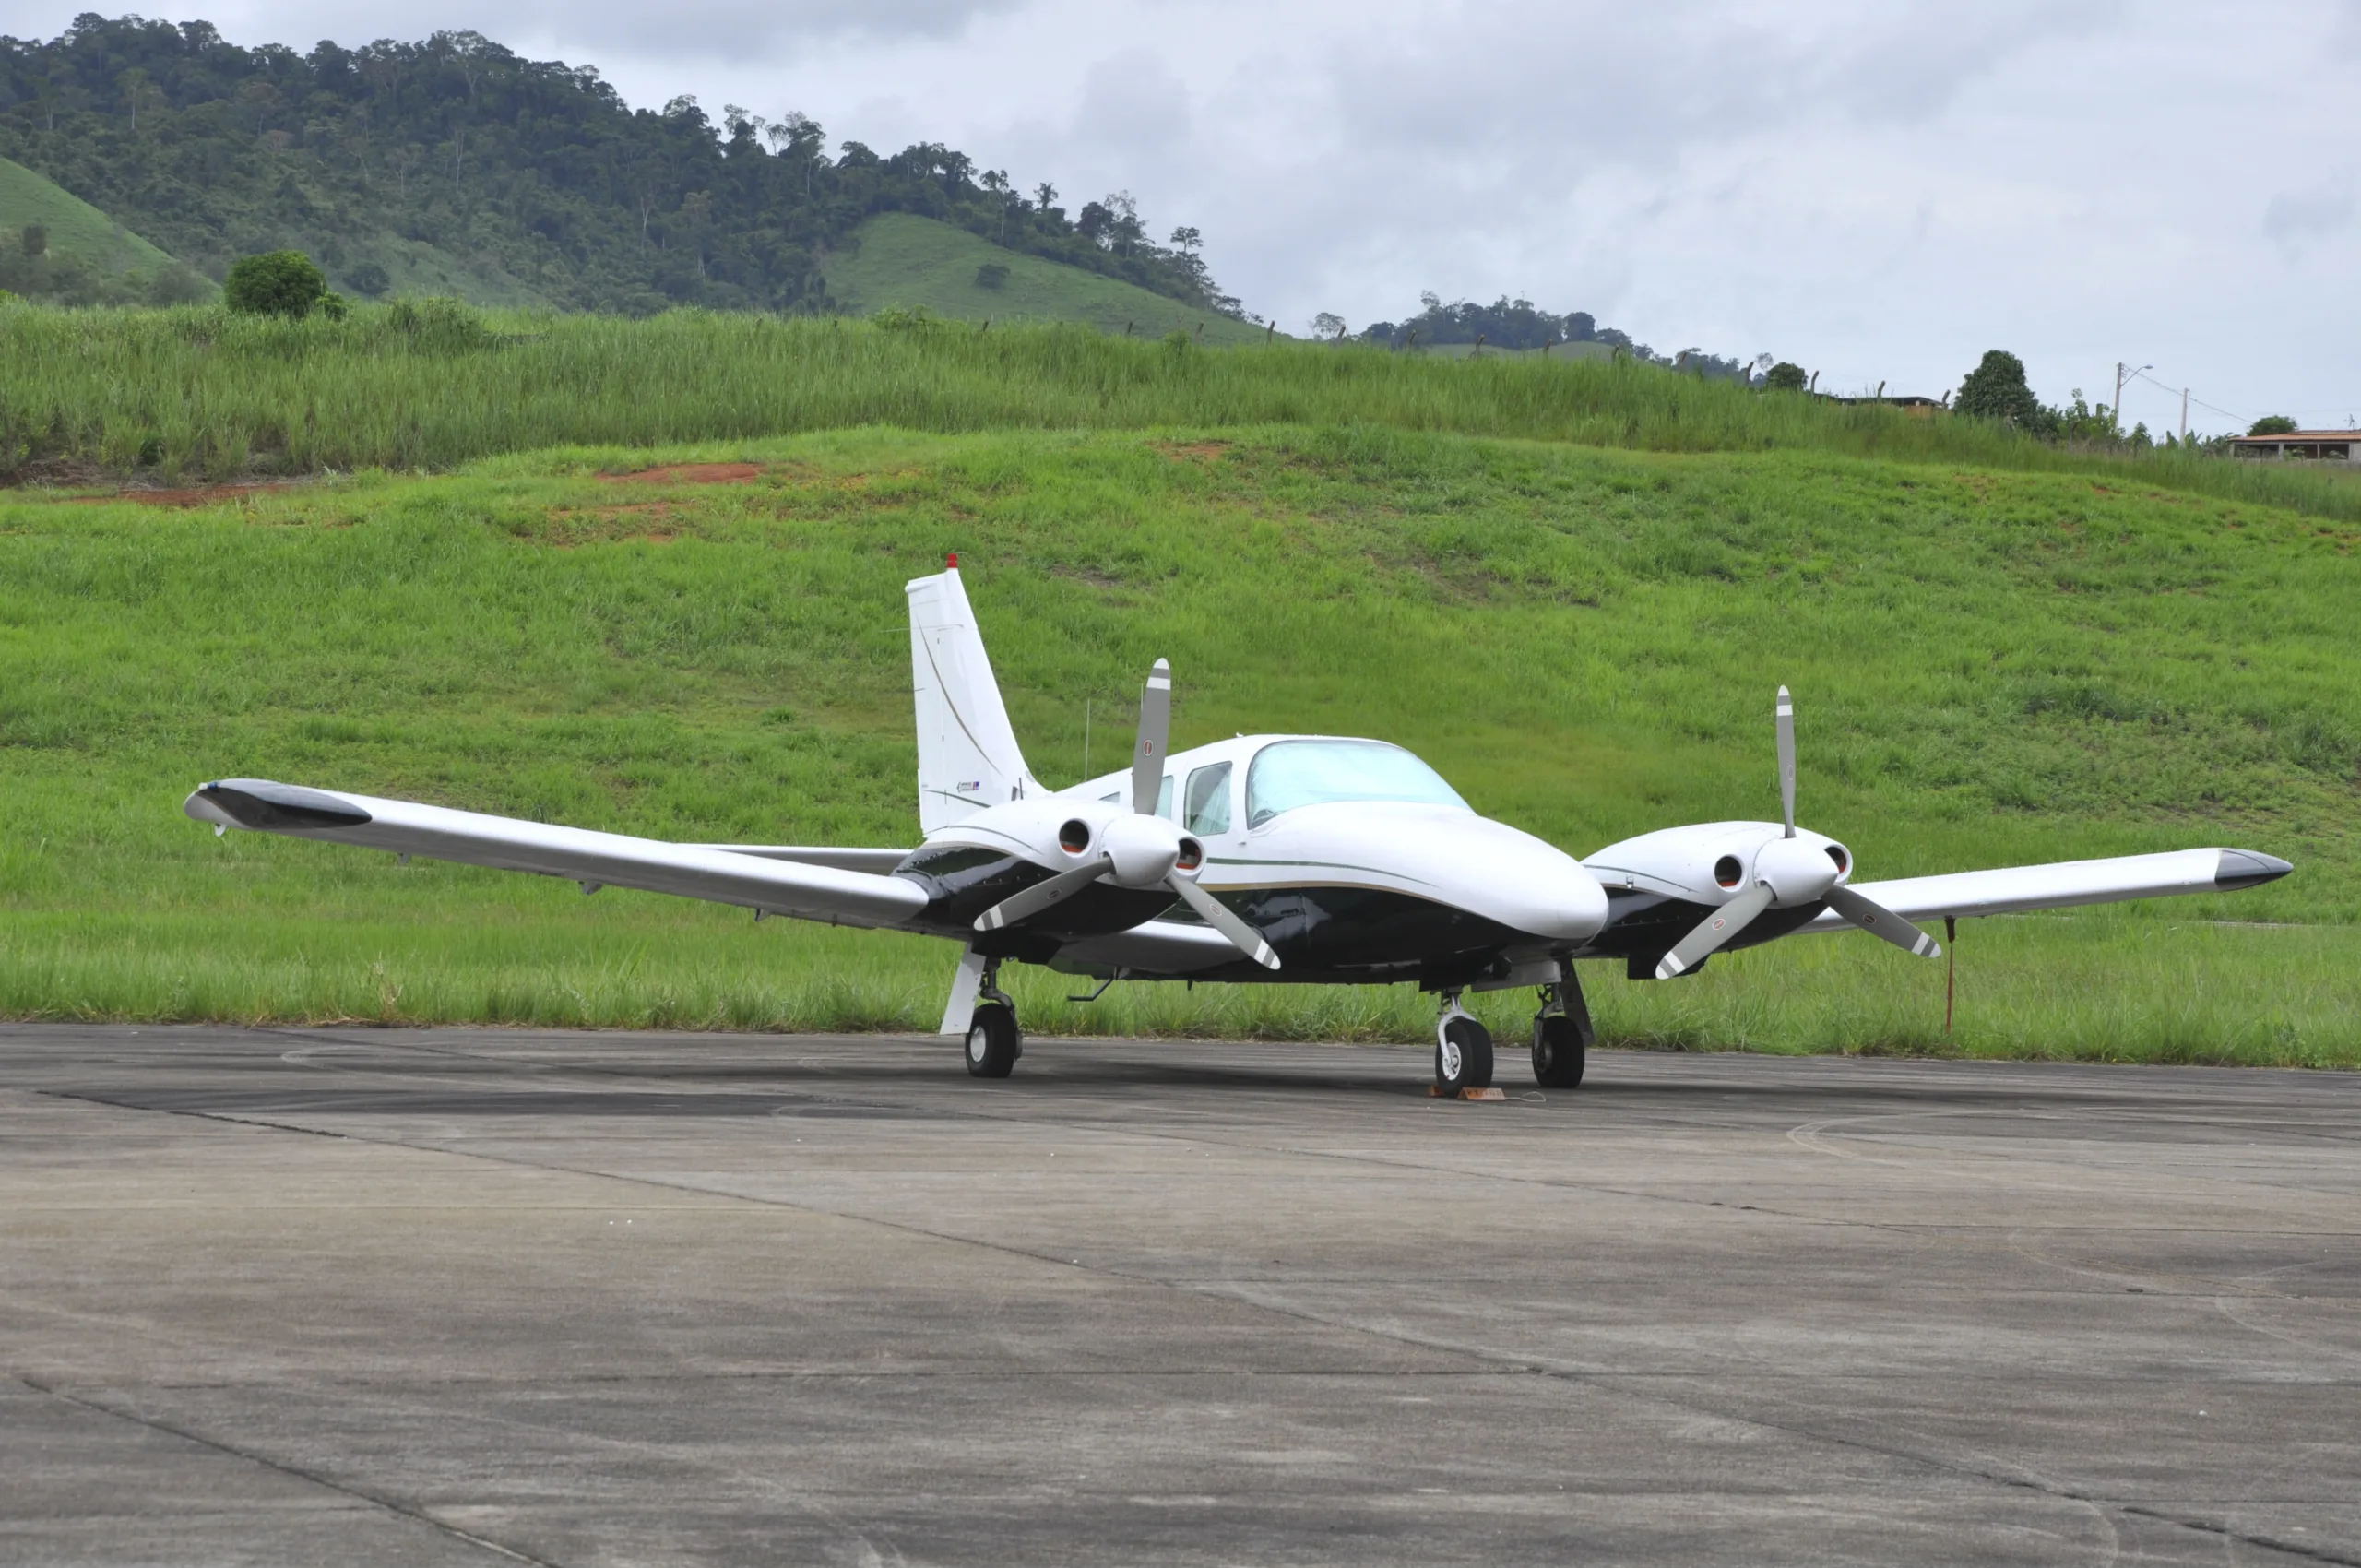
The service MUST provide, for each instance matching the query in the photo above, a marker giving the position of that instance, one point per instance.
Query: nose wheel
(1561, 1034)
(1463, 1050)
(993, 1040)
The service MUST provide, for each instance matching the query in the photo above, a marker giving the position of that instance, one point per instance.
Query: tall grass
(197, 392)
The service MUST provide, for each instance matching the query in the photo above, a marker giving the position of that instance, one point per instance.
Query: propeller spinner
(1789, 873)
(1141, 850)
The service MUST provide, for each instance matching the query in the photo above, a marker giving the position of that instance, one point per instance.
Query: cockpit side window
(1209, 800)
(1287, 774)
(1164, 798)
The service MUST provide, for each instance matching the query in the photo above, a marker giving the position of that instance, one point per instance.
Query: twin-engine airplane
(1274, 859)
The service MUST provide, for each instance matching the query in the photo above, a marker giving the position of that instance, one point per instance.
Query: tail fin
(968, 756)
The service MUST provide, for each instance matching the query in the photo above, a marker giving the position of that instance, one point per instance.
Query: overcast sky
(1879, 192)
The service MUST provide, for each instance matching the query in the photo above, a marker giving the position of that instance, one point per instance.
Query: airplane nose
(1526, 884)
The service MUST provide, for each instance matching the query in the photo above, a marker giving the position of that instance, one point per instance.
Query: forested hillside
(452, 164)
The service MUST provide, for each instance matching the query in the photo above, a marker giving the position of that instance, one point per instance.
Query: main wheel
(991, 1041)
(1463, 1055)
(1556, 1051)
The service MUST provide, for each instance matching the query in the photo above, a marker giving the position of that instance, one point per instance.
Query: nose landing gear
(1561, 1034)
(993, 1040)
(1463, 1049)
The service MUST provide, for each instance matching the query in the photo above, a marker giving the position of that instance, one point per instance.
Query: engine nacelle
(1062, 833)
(1713, 863)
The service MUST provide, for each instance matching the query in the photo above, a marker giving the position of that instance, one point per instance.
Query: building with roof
(2316, 445)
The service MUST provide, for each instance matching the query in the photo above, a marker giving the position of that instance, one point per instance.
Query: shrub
(1996, 390)
(275, 283)
(992, 275)
(368, 279)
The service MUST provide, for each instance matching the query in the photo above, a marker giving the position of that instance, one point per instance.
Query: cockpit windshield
(1287, 774)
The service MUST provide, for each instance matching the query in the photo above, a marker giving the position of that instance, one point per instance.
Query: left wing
(878, 861)
(2064, 884)
(595, 860)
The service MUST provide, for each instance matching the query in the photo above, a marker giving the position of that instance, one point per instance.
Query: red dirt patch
(1193, 451)
(691, 473)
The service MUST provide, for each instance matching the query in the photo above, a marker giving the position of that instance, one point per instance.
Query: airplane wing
(812, 892)
(880, 861)
(1156, 947)
(2064, 884)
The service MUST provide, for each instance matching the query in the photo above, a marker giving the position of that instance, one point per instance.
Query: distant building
(2319, 445)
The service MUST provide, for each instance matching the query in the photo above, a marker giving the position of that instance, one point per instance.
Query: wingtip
(2248, 868)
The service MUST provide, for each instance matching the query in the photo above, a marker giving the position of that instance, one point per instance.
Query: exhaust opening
(1727, 872)
(1193, 855)
(1074, 837)
(1844, 862)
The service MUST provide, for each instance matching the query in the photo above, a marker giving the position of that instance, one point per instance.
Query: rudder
(967, 754)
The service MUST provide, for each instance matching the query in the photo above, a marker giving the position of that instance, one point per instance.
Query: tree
(1784, 378)
(275, 283)
(34, 238)
(2273, 424)
(1327, 324)
(1996, 390)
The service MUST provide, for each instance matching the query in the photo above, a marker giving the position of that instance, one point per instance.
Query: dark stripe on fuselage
(1327, 934)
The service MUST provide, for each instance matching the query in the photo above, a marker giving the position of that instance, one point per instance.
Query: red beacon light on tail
(954, 563)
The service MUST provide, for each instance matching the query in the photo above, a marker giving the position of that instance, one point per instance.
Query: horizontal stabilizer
(595, 860)
(2065, 883)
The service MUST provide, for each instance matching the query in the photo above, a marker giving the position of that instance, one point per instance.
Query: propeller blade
(1788, 760)
(1714, 929)
(1880, 921)
(1218, 915)
(1155, 727)
(1029, 901)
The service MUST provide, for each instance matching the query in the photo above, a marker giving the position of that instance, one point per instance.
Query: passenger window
(1164, 798)
(1209, 800)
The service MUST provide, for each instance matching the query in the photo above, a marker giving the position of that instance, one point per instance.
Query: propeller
(1789, 873)
(1142, 849)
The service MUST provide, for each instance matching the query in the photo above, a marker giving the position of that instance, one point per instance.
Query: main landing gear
(1561, 1034)
(1463, 1049)
(993, 1040)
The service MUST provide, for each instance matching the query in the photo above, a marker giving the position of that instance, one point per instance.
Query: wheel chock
(1436, 1091)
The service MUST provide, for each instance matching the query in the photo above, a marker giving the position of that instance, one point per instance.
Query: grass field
(1992, 666)
(899, 258)
(196, 392)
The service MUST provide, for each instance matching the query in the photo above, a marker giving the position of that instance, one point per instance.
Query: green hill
(85, 253)
(899, 258)
(1992, 665)
(455, 165)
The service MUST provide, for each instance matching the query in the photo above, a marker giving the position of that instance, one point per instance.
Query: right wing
(595, 860)
(2065, 883)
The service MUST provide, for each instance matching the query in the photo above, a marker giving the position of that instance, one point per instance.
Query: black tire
(1463, 1056)
(993, 1041)
(1556, 1051)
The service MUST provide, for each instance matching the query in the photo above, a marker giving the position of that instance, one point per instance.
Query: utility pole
(2123, 372)
(2184, 416)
